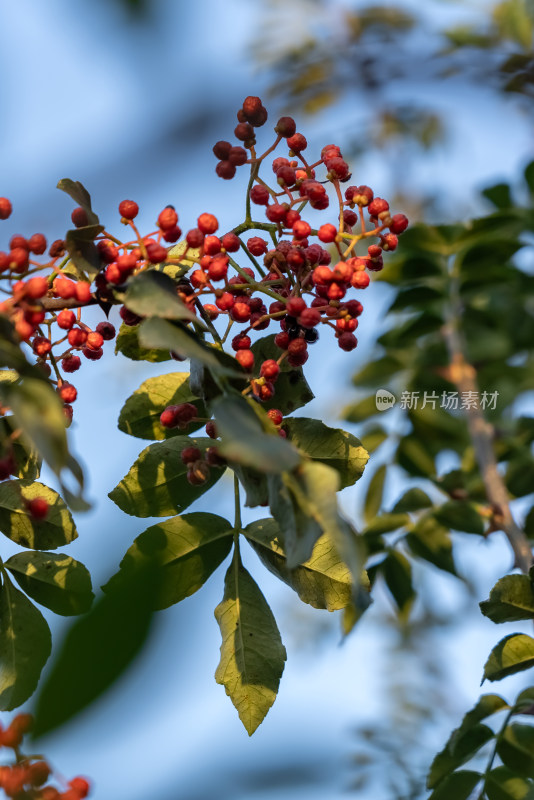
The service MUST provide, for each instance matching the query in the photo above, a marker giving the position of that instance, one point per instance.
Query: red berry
(173, 234)
(244, 131)
(207, 223)
(128, 317)
(18, 259)
(275, 416)
(270, 369)
(79, 217)
(211, 430)
(93, 355)
(190, 454)
(107, 250)
(360, 280)
(230, 242)
(36, 287)
(168, 218)
(240, 311)
(106, 330)
(350, 218)
(194, 237)
(246, 359)
(301, 229)
(41, 346)
(297, 346)
(225, 302)
(309, 318)
(169, 417)
(281, 340)
(212, 245)
(398, 223)
(67, 392)
(297, 142)
(237, 156)
(128, 209)
(225, 170)
(275, 212)
(82, 290)
(218, 268)
(257, 246)
(64, 288)
(37, 243)
(337, 168)
(156, 253)
(71, 363)
(211, 310)
(259, 195)
(297, 359)
(38, 773)
(241, 342)
(327, 233)
(347, 341)
(5, 208)
(95, 340)
(77, 337)
(57, 249)
(222, 149)
(295, 306)
(377, 206)
(38, 508)
(81, 786)
(286, 126)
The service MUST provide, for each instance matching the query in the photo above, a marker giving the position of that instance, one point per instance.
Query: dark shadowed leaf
(252, 653)
(185, 552)
(160, 334)
(458, 785)
(460, 515)
(291, 390)
(82, 250)
(97, 650)
(397, 572)
(156, 484)
(245, 441)
(25, 644)
(153, 294)
(516, 749)
(459, 749)
(431, 541)
(503, 784)
(27, 459)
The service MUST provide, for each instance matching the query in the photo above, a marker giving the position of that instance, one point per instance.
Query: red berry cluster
(297, 276)
(26, 778)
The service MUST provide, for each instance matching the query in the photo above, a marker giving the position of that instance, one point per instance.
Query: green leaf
(54, 580)
(185, 552)
(375, 491)
(503, 784)
(81, 247)
(460, 748)
(512, 654)
(414, 458)
(373, 437)
(140, 414)
(153, 294)
(244, 440)
(291, 390)
(375, 373)
(529, 176)
(460, 515)
(55, 530)
(511, 599)
(98, 649)
(160, 334)
(27, 459)
(458, 785)
(331, 446)
(500, 195)
(430, 540)
(323, 581)
(80, 195)
(255, 485)
(206, 385)
(386, 523)
(397, 572)
(25, 644)
(39, 412)
(252, 653)
(487, 705)
(516, 749)
(184, 262)
(412, 500)
(127, 343)
(156, 484)
(361, 409)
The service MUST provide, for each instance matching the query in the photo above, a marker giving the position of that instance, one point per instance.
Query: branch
(482, 435)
